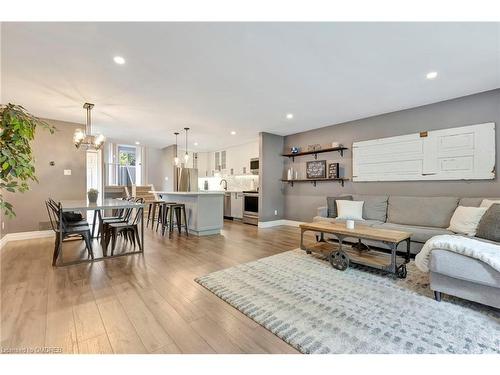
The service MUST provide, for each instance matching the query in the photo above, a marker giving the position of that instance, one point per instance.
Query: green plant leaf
(17, 131)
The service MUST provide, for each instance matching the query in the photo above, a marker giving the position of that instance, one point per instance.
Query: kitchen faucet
(225, 183)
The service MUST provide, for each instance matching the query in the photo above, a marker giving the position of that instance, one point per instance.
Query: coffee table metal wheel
(401, 271)
(339, 260)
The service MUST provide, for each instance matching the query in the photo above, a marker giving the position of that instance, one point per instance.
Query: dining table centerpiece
(92, 194)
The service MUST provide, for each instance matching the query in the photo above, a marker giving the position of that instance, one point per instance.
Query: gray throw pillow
(489, 226)
(375, 206)
(332, 206)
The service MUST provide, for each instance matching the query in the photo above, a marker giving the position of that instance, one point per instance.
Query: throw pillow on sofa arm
(489, 226)
(465, 220)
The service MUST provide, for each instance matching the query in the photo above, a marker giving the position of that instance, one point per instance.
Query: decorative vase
(92, 196)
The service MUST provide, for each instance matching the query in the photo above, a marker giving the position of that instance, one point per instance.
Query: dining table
(98, 208)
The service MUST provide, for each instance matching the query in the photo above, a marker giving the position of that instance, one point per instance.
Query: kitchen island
(205, 210)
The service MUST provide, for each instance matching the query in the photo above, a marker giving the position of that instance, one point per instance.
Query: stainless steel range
(251, 207)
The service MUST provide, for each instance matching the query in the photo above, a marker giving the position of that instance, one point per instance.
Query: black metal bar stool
(164, 219)
(153, 205)
(179, 210)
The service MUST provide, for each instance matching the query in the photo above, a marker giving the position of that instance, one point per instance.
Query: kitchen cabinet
(231, 161)
(216, 160)
(237, 205)
(202, 163)
(227, 204)
(223, 162)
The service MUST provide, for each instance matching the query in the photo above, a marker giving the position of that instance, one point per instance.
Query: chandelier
(84, 138)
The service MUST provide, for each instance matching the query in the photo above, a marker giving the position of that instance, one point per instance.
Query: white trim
(25, 236)
(275, 223)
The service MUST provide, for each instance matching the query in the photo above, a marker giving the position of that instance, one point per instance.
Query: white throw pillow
(349, 210)
(487, 203)
(466, 219)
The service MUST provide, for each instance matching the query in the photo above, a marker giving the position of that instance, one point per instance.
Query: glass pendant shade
(84, 138)
(186, 155)
(176, 159)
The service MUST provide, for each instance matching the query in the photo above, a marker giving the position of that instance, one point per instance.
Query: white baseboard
(25, 236)
(275, 223)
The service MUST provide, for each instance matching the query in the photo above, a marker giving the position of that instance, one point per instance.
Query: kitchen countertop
(232, 191)
(188, 192)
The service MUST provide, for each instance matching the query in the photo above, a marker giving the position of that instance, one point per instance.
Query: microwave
(254, 166)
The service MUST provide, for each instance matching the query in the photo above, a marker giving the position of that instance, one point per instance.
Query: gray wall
(30, 208)
(302, 199)
(154, 173)
(271, 196)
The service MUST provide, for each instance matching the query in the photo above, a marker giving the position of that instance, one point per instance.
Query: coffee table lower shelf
(341, 255)
(370, 258)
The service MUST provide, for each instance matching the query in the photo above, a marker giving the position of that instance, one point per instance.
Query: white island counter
(205, 210)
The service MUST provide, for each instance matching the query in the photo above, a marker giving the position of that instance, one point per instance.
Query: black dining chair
(118, 216)
(68, 230)
(71, 218)
(128, 229)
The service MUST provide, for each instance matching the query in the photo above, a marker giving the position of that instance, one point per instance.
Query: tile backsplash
(246, 182)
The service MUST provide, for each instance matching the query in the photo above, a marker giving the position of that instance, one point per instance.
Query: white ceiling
(219, 77)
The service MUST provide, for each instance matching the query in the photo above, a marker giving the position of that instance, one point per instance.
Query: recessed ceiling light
(431, 75)
(233, 133)
(119, 60)
(289, 116)
(196, 143)
(137, 142)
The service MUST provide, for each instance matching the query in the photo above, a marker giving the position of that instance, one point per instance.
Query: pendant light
(176, 159)
(186, 155)
(84, 138)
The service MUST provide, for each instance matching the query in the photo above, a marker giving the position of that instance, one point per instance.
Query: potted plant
(17, 164)
(92, 194)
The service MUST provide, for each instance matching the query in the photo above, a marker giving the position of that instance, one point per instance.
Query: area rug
(317, 309)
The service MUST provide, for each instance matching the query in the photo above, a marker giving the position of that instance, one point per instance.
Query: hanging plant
(17, 164)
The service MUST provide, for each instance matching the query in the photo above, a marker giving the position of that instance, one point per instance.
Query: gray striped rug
(317, 309)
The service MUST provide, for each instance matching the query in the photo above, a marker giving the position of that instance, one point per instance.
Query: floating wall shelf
(316, 152)
(315, 180)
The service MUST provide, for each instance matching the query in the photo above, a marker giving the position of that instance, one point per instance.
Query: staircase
(116, 191)
(143, 191)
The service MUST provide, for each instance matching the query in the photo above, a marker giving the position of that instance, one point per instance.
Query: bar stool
(152, 209)
(178, 209)
(163, 216)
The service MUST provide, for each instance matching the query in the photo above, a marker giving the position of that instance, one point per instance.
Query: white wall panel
(462, 153)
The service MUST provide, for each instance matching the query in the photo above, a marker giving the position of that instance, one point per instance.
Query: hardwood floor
(136, 304)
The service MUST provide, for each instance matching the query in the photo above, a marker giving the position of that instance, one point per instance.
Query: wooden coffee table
(340, 255)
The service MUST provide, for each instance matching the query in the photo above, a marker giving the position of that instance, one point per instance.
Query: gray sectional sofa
(426, 217)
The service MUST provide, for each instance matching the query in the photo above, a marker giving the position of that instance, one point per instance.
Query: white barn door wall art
(462, 153)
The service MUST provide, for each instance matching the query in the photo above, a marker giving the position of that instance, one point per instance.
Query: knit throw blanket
(486, 252)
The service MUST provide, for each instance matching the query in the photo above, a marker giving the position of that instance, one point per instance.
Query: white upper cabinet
(462, 153)
(233, 160)
(203, 164)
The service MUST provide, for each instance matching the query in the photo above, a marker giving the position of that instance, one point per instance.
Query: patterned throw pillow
(489, 226)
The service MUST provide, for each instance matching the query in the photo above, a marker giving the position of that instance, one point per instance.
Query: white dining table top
(102, 204)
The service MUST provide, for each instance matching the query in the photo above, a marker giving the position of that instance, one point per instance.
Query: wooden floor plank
(215, 336)
(136, 304)
(145, 323)
(96, 345)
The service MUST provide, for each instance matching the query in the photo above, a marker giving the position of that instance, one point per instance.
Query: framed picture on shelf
(333, 170)
(316, 169)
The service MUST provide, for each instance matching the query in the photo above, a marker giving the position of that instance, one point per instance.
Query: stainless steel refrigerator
(187, 179)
